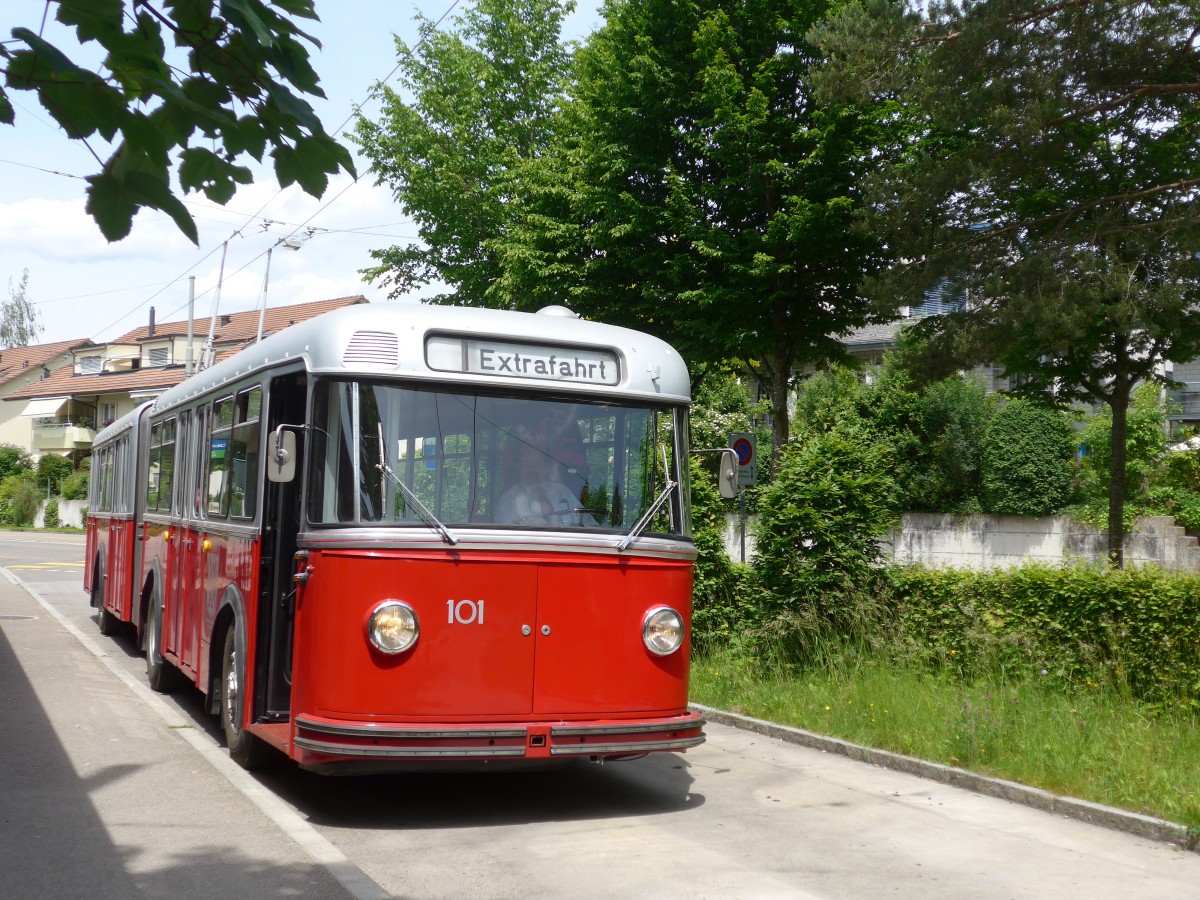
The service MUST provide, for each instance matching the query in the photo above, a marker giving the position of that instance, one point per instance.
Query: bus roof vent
(558, 311)
(372, 348)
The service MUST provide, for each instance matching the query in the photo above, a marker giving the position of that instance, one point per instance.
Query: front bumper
(321, 742)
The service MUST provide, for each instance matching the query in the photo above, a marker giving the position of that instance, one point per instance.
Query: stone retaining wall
(977, 542)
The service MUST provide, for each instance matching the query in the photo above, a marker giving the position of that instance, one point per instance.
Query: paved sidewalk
(100, 797)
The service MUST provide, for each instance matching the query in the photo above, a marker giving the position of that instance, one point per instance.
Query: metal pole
(742, 518)
(191, 320)
(262, 312)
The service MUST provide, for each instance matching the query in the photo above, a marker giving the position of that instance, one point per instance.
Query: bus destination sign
(580, 365)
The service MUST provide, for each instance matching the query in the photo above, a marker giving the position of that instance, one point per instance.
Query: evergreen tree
(1050, 180)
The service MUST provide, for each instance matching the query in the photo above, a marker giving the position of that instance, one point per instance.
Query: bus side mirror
(281, 455)
(727, 474)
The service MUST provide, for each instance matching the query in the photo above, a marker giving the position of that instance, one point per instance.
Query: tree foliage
(696, 190)
(231, 85)
(1051, 182)
(475, 105)
(20, 321)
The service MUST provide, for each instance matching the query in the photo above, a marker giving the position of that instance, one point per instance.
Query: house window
(159, 356)
(90, 365)
(108, 412)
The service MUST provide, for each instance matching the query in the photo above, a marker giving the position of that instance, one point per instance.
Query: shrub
(1027, 453)
(720, 608)
(13, 461)
(75, 486)
(19, 498)
(51, 467)
(1145, 444)
(817, 553)
(50, 516)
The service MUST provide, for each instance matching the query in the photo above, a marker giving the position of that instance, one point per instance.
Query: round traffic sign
(744, 450)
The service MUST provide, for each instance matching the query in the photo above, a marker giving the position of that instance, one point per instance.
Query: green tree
(1051, 183)
(232, 86)
(20, 321)
(698, 191)
(475, 105)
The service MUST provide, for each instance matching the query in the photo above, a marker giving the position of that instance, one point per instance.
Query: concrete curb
(1092, 813)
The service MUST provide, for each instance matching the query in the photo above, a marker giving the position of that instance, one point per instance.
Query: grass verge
(1095, 744)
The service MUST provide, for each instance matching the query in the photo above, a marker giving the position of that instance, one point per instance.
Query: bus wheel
(163, 676)
(244, 748)
(109, 624)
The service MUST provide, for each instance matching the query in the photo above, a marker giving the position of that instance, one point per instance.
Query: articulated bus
(398, 536)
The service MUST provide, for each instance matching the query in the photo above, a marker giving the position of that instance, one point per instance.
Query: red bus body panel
(559, 645)
(113, 540)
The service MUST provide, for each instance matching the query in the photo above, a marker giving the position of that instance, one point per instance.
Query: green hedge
(1027, 452)
(1138, 627)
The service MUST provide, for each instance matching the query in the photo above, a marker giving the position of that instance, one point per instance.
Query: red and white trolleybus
(408, 534)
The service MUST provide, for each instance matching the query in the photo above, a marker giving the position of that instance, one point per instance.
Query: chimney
(225, 319)
(150, 330)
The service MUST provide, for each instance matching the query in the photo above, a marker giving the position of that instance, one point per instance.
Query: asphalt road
(111, 791)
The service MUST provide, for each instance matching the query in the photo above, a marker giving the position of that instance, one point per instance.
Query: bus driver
(536, 499)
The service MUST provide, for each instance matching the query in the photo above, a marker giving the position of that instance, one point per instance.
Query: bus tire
(162, 676)
(244, 748)
(109, 624)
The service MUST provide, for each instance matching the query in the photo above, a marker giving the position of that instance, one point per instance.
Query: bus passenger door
(190, 576)
(179, 559)
(280, 527)
(120, 556)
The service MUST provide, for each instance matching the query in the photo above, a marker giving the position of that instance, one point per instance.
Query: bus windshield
(381, 451)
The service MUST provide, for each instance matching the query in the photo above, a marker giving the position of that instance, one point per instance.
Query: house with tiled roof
(24, 368)
(98, 383)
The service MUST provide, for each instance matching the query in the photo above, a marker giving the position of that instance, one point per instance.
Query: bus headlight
(662, 631)
(393, 627)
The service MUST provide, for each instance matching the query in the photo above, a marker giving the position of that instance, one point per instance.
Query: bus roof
(466, 346)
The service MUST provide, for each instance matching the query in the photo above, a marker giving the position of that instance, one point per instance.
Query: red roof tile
(241, 326)
(18, 361)
(241, 329)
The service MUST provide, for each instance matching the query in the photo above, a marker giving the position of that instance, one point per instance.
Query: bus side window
(166, 470)
(244, 455)
(218, 458)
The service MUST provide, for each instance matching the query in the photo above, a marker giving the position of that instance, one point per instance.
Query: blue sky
(87, 288)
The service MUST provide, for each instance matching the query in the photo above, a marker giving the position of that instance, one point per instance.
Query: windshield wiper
(654, 507)
(422, 510)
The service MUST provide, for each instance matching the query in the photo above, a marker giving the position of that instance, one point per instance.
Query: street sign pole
(745, 445)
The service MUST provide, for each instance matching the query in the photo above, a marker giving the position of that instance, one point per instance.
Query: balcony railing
(62, 434)
(1187, 404)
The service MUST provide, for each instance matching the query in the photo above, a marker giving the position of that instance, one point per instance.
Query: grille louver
(372, 348)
